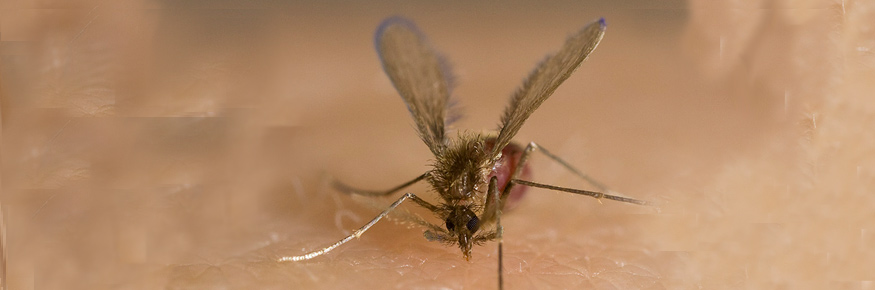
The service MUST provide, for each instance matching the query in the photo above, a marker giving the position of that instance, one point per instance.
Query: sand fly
(476, 175)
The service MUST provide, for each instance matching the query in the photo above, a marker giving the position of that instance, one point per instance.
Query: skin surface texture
(187, 145)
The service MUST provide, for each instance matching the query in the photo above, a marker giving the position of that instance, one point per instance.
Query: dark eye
(450, 225)
(473, 224)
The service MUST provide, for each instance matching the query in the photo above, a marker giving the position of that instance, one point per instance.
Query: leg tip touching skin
(361, 230)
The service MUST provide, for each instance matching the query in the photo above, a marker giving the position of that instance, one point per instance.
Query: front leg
(357, 233)
(492, 213)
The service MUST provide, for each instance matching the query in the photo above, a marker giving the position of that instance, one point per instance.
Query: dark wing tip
(602, 23)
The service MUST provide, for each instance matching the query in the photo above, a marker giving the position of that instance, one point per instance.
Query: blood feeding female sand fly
(476, 175)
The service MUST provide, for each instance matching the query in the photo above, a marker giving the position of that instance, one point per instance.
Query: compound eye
(450, 225)
(473, 224)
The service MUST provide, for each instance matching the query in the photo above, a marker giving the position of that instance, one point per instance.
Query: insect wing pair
(475, 175)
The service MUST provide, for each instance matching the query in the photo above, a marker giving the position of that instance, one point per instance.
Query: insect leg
(494, 195)
(595, 194)
(491, 212)
(598, 195)
(340, 186)
(357, 233)
(534, 146)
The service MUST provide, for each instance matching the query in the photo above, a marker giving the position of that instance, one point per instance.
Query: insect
(474, 174)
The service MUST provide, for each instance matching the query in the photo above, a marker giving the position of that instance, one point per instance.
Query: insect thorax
(459, 173)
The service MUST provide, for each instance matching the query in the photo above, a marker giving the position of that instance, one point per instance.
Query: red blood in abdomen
(510, 158)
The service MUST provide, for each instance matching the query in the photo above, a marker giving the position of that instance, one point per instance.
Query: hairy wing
(546, 77)
(420, 75)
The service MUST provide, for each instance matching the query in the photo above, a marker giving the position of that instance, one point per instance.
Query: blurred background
(187, 144)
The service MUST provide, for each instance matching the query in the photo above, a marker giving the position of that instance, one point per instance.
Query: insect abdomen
(504, 168)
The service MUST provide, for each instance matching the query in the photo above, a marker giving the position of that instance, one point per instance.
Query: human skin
(188, 148)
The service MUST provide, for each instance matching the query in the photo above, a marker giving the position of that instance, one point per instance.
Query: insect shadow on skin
(475, 175)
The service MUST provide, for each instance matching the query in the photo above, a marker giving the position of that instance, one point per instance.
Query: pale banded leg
(357, 233)
(350, 190)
